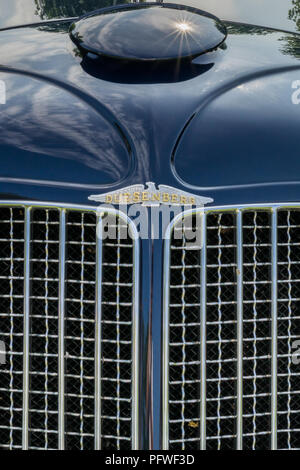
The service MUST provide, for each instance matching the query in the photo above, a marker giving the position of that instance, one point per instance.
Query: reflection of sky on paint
(160, 31)
(276, 91)
(44, 120)
(52, 54)
(258, 114)
(17, 12)
(31, 47)
(272, 13)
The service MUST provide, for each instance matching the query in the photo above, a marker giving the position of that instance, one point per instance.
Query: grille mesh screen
(11, 317)
(116, 340)
(80, 329)
(289, 329)
(43, 398)
(257, 330)
(271, 284)
(41, 402)
(222, 419)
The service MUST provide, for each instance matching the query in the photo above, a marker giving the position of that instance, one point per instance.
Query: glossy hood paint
(280, 14)
(49, 129)
(164, 32)
(222, 126)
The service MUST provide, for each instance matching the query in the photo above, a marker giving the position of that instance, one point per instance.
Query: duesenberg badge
(149, 196)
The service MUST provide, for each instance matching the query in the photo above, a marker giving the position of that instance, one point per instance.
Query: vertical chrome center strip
(61, 331)
(166, 334)
(26, 331)
(274, 329)
(98, 335)
(239, 276)
(135, 339)
(203, 333)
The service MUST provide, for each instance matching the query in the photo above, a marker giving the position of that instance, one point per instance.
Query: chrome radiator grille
(232, 320)
(68, 321)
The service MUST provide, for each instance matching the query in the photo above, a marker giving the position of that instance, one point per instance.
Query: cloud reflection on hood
(46, 126)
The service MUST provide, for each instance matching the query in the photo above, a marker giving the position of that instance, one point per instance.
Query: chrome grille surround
(230, 320)
(54, 313)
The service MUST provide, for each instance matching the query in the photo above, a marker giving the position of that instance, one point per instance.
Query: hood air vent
(151, 32)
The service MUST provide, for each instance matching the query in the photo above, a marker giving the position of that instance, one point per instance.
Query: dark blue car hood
(280, 14)
(223, 126)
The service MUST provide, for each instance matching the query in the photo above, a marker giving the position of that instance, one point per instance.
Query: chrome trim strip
(239, 276)
(93, 208)
(135, 336)
(26, 331)
(274, 330)
(242, 207)
(98, 334)
(203, 335)
(61, 332)
(165, 358)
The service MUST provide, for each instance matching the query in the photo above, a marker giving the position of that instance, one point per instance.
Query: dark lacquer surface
(50, 129)
(20, 12)
(148, 32)
(223, 124)
(281, 14)
(246, 133)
